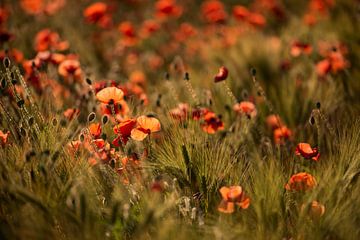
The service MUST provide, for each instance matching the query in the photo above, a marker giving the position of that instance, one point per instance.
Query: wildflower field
(180, 119)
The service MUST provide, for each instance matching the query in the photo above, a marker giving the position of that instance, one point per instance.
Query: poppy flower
(245, 107)
(301, 182)
(256, 19)
(240, 13)
(230, 196)
(36, 7)
(315, 210)
(212, 123)
(298, 48)
(180, 112)
(138, 78)
(198, 113)
(49, 40)
(14, 54)
(307, 152)
(281, 134)
(4, 137)
(4, 14)
(145, 126)
(99, 143)
(273, 121)
(95, 129)
(148, 28)
(98, 13)
(74, 146)
(185, 31)
(123, 129)
(120, 107)
(167, 8)
(127, 30)
(110, 95)
(70, 113)
(222, 74)
(213, 11)
(70, 68)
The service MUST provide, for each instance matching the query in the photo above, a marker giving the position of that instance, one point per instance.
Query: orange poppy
(301, 182)
(127, 30)
(4, 137)
(95, 129)
(185, 31)
(222, 74)
(213, 11)
(298, 48)
(167, 8)
(307, 152)
(49, 40)
(245, 107)
(98, 13)
(138, 78)
(121, 108)
(145, 126)
(36, 7)
(123, 129)
(212, 123)
(273, 121)
(230, 196)
(281, 134)
(110, 95)
(316, 209)
(70, 68)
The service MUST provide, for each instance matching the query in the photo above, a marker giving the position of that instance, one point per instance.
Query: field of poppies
(179, 119)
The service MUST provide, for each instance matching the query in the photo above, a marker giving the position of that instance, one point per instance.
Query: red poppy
(199, 112)
(240, 13)
(100, 143)
(36, 7)
(281, 134)
(212, 123)
(213, 11)
(185, 31)
(256, 19)
(123, 129)
(148, 28)
(145, 126)
(315, 211)
(98, 13)
(306, 151)
(180, 112)
(245, 107)
(120, 107)
(298, 48)
(110, 95)
(127, 30)
(49, 40)
(167, 8)
(4, 137)
(222, 74)
(230, 196)
(4, 14)
(301, 182)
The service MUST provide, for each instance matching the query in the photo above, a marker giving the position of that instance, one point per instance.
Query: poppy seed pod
(6, 62)
(318, 105)
(104, 119)
(88, 81)
(91, 117)
(253, 72)
(186, 76)
(20, 103)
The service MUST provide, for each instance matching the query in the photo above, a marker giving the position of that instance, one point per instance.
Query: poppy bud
(167, 76)
(81, 137)
(29, 155)
(222, 74)
(104, 119)
(20, 103)
(312, 120)
(31, 121)
(88, 81)
(91, 117)
(3, 83)
(318, 105)
(253, 72)
(112, 163)
(54, 122)
(186, 76)
(23, 132)
(6, 62)
(14, 81)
